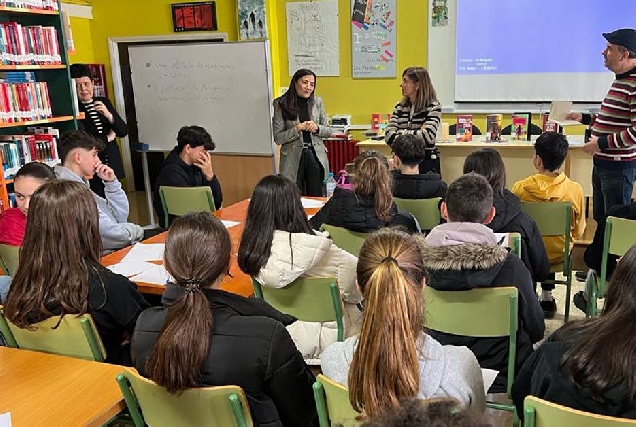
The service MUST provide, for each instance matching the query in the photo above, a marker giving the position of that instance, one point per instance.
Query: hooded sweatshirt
(510, 219)
(177, 173)
(543, 188)
(445, 370)
(113, 212)
(295, 255)
(460, 256)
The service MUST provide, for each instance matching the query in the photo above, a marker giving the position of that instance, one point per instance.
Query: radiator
(340, 152)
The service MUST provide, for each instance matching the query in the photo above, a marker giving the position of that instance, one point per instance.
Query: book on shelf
(22, 98)
(493, 127)
(520, 127)
(30, 4)
(28, 45)
(464, 128)
(37, 145)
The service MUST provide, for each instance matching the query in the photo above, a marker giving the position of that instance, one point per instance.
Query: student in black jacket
(188, 165)
(204, 336)
(408, 182)
(589, 365)
(370, 205)
(463, 254)
(508, 215)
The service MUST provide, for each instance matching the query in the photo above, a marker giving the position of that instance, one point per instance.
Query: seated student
(370, 205)
(508, 215)
(60, 271)
(393, 358)
(589, 364)
(278, 246)
(188, 165)
(408, 182)
(78, 151)
(463, 254)
(550, 185)
(13, 220)
(204, 336)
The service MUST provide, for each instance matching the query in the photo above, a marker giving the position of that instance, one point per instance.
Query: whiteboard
(223, 87)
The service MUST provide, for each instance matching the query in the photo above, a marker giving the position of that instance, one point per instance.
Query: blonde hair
(385, 365)
(372, 178)
(426, 94)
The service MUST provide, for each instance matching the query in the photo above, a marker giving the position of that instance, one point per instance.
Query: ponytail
(372, 178)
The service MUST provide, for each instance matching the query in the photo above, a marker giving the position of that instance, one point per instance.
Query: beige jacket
(314, 256)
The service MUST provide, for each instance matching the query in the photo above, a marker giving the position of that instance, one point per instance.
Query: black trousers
(310, 174)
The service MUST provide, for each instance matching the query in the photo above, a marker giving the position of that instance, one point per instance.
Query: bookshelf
(56, 76)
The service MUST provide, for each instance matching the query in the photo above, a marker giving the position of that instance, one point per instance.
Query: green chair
(332, 403)
(350, 241)
(151, 404)
(541, 413)
(426, 211)
(555, 219)
(479, 312)
(178, 201)
(9, 259)
(620, 235)
(514, 242)
(72, 335)
(309, 299)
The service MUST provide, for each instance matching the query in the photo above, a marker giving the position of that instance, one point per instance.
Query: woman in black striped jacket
(418, 113)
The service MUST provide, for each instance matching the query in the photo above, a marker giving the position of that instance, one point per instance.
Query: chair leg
(568, 297)
(590, 290)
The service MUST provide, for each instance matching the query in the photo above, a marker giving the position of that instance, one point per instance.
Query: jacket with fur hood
(299, 254)
(464, 256)
(510, 219)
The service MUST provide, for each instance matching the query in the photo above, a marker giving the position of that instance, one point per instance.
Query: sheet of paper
(130, 268)
(5, 419)
(156, 275)
(227, 223)
(310, 216)
(502, 239)
(558, 111)
(489, 376)
(311, 203)
(145, 252)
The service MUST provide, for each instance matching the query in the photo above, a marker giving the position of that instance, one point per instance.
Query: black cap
(625, 37)
(80, 70)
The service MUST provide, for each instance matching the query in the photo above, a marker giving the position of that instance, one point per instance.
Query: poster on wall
(373, 38)
(439, 13)
(312, 37)
(199, 16)
(252, 19)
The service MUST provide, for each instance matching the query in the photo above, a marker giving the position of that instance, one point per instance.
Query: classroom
(242, 212)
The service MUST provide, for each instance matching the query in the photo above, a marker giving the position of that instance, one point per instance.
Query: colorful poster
(439, 13)
(373, 38)
(312, 37)
(252, 19)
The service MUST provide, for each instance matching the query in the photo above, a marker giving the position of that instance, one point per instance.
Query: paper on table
(502, 239)
(5, 419)
(311, 203)
(157, 275)
(145, 252)
(227, 223)
(130, 268)
(558, 111)
(489, 376)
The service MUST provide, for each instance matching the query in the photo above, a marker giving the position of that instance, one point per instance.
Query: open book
(558, 111)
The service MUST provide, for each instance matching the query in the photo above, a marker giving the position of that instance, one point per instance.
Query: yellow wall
(83, 39)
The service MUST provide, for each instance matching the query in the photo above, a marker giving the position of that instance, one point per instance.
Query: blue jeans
(5, 283)
(610, 188)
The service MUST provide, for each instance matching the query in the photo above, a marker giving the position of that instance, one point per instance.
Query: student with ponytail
(204, 336)
(370, 205)
(393, 359)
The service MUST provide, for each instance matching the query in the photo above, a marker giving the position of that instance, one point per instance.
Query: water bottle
(330, 185)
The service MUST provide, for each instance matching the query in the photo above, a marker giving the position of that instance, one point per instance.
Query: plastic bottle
(330, 185)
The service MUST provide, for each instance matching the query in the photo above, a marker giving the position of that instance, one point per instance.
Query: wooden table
(240, 283)
(42, 389)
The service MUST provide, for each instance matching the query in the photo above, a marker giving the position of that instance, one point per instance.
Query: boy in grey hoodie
(78, 152)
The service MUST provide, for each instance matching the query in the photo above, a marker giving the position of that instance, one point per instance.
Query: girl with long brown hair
(60, 271)
(370, 205)
(204, 336)
(393, 359)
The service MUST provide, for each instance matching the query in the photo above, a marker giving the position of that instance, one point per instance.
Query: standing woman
(300, 122)
(419, 113)
(101, 121)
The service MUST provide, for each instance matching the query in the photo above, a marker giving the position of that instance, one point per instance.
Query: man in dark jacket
(408, 182)
(463, 254)
(189, 165)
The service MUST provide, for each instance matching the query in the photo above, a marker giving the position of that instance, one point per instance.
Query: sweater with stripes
(615, 124)
(422, 124)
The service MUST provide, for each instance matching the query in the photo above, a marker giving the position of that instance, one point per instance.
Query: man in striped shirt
(613, 139)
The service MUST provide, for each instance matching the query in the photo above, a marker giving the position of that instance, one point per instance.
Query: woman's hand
(101, 109)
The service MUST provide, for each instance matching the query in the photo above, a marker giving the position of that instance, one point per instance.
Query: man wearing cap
(613, 140)
(189, 164)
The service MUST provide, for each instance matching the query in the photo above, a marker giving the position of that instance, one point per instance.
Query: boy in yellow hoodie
(550, 185)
